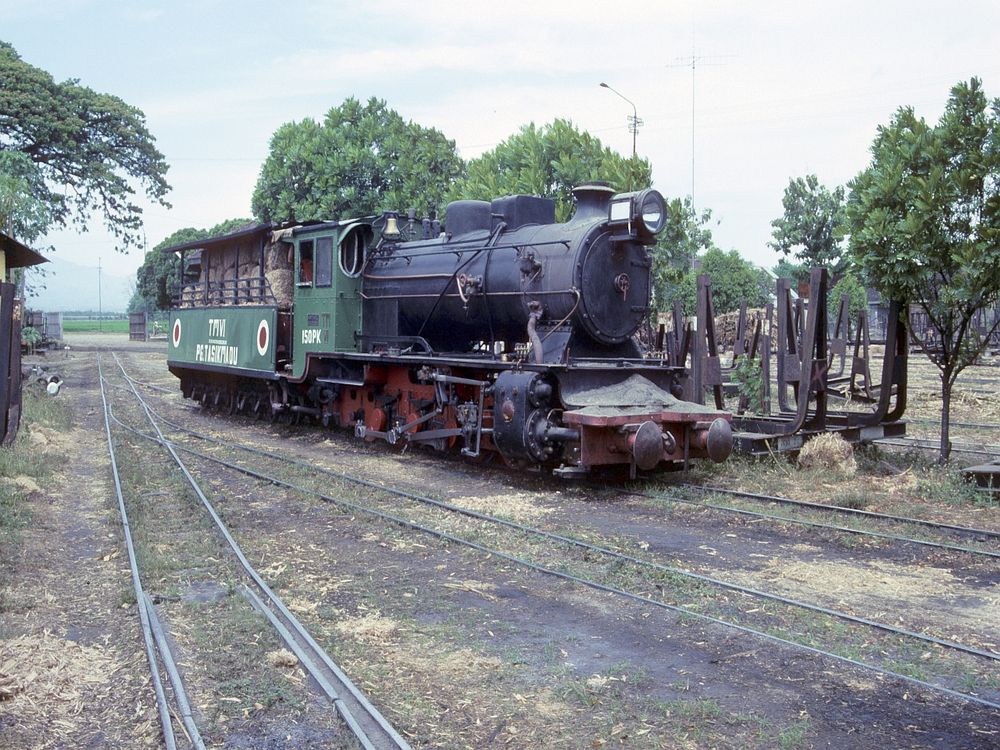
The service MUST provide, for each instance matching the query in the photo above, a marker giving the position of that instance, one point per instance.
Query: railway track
(982, 537)
(650, 570)
(992, 451)
(365, 722)
(941, 531)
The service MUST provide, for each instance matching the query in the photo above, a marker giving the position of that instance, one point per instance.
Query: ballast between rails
(147, 614)
(673, 498)
(378, 734)
(355, 507)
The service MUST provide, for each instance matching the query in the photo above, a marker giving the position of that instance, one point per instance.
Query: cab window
(305, 273)
(324, 261)
(352, 253)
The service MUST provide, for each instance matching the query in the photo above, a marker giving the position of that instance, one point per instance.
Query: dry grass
(62, 686)
(371, 629)
(829, 453)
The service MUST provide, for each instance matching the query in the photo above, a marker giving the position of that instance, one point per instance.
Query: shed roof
(19, 255)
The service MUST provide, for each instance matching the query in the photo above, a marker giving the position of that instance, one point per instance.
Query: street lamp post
(633, 121)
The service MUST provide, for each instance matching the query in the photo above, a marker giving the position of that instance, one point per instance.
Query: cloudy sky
(778, 90)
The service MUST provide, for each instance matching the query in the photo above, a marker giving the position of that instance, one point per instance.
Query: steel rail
(147, 632)
(406, 523)
(345, 712)
(813, 524)
(967, 530)
(931, 444)
(614, 554)
(743, 511)
(593, 548)
(963, 425)
(786, 519)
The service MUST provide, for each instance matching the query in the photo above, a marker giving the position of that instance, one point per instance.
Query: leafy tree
(733, 280)
(925, 224)
(549, 161)
(363, 159)
(158, 278)
(857, 298)
(685, 235)
(797, 272)
(22, 214)
(91, 150)
(811, 227)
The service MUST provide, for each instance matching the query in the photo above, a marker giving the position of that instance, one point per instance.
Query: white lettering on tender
(217, 328)
(217, 354)
(312, 335)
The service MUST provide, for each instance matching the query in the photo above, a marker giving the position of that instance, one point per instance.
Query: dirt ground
(460, 650)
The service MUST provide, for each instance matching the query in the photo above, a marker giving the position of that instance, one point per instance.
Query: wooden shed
(13, 255)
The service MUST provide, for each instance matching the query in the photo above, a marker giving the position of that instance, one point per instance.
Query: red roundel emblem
(263, 337)
(176, 336)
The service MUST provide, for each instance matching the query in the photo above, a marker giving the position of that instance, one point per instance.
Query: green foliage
(925, 222)
(797, 272)
(24, 213)
(812, 226)
(363, 159)
(855, 291)
(685, 235)
(549, 161)
(158, 278)
(749, 379)
(94, 149)
(30, 336)
(733, 280)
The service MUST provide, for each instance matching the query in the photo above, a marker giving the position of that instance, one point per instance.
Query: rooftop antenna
(693, 61)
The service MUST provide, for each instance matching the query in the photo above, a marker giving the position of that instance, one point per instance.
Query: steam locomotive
(502, 332)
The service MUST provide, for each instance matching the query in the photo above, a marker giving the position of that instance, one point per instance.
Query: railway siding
(466, 648)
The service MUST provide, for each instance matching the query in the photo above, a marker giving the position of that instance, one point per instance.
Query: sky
(778, 90)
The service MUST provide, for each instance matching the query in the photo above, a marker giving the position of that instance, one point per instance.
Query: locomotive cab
(328, 262)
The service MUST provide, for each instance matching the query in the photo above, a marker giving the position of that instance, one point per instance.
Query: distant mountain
(68, 286)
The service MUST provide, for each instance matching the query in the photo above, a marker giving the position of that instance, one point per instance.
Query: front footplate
(646, 437)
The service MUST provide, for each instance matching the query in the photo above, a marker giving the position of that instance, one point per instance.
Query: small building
(13, 254)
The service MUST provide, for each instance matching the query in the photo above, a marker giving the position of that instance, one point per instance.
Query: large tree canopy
(363, 159)
(549, 161)
(733, 280)
(91, 149)
(23, 214)
(812, 224)
(925, 223)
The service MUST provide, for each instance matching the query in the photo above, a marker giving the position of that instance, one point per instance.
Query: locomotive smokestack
(592, 201)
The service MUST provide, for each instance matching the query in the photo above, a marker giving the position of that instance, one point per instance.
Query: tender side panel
(230, 338)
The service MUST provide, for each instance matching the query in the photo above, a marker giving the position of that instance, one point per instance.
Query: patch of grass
(946, 485)
(794, 735)
(234, 635)
(858, 499)
(93, 325)
(24, 459)
(694, 711)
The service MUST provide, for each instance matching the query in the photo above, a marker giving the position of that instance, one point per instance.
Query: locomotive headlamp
(652, 210)
(642, 214)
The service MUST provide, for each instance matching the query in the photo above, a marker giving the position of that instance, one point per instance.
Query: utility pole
(100, 313)
(693, 61)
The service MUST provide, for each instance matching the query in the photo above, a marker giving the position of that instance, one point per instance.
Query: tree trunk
(946, 384)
